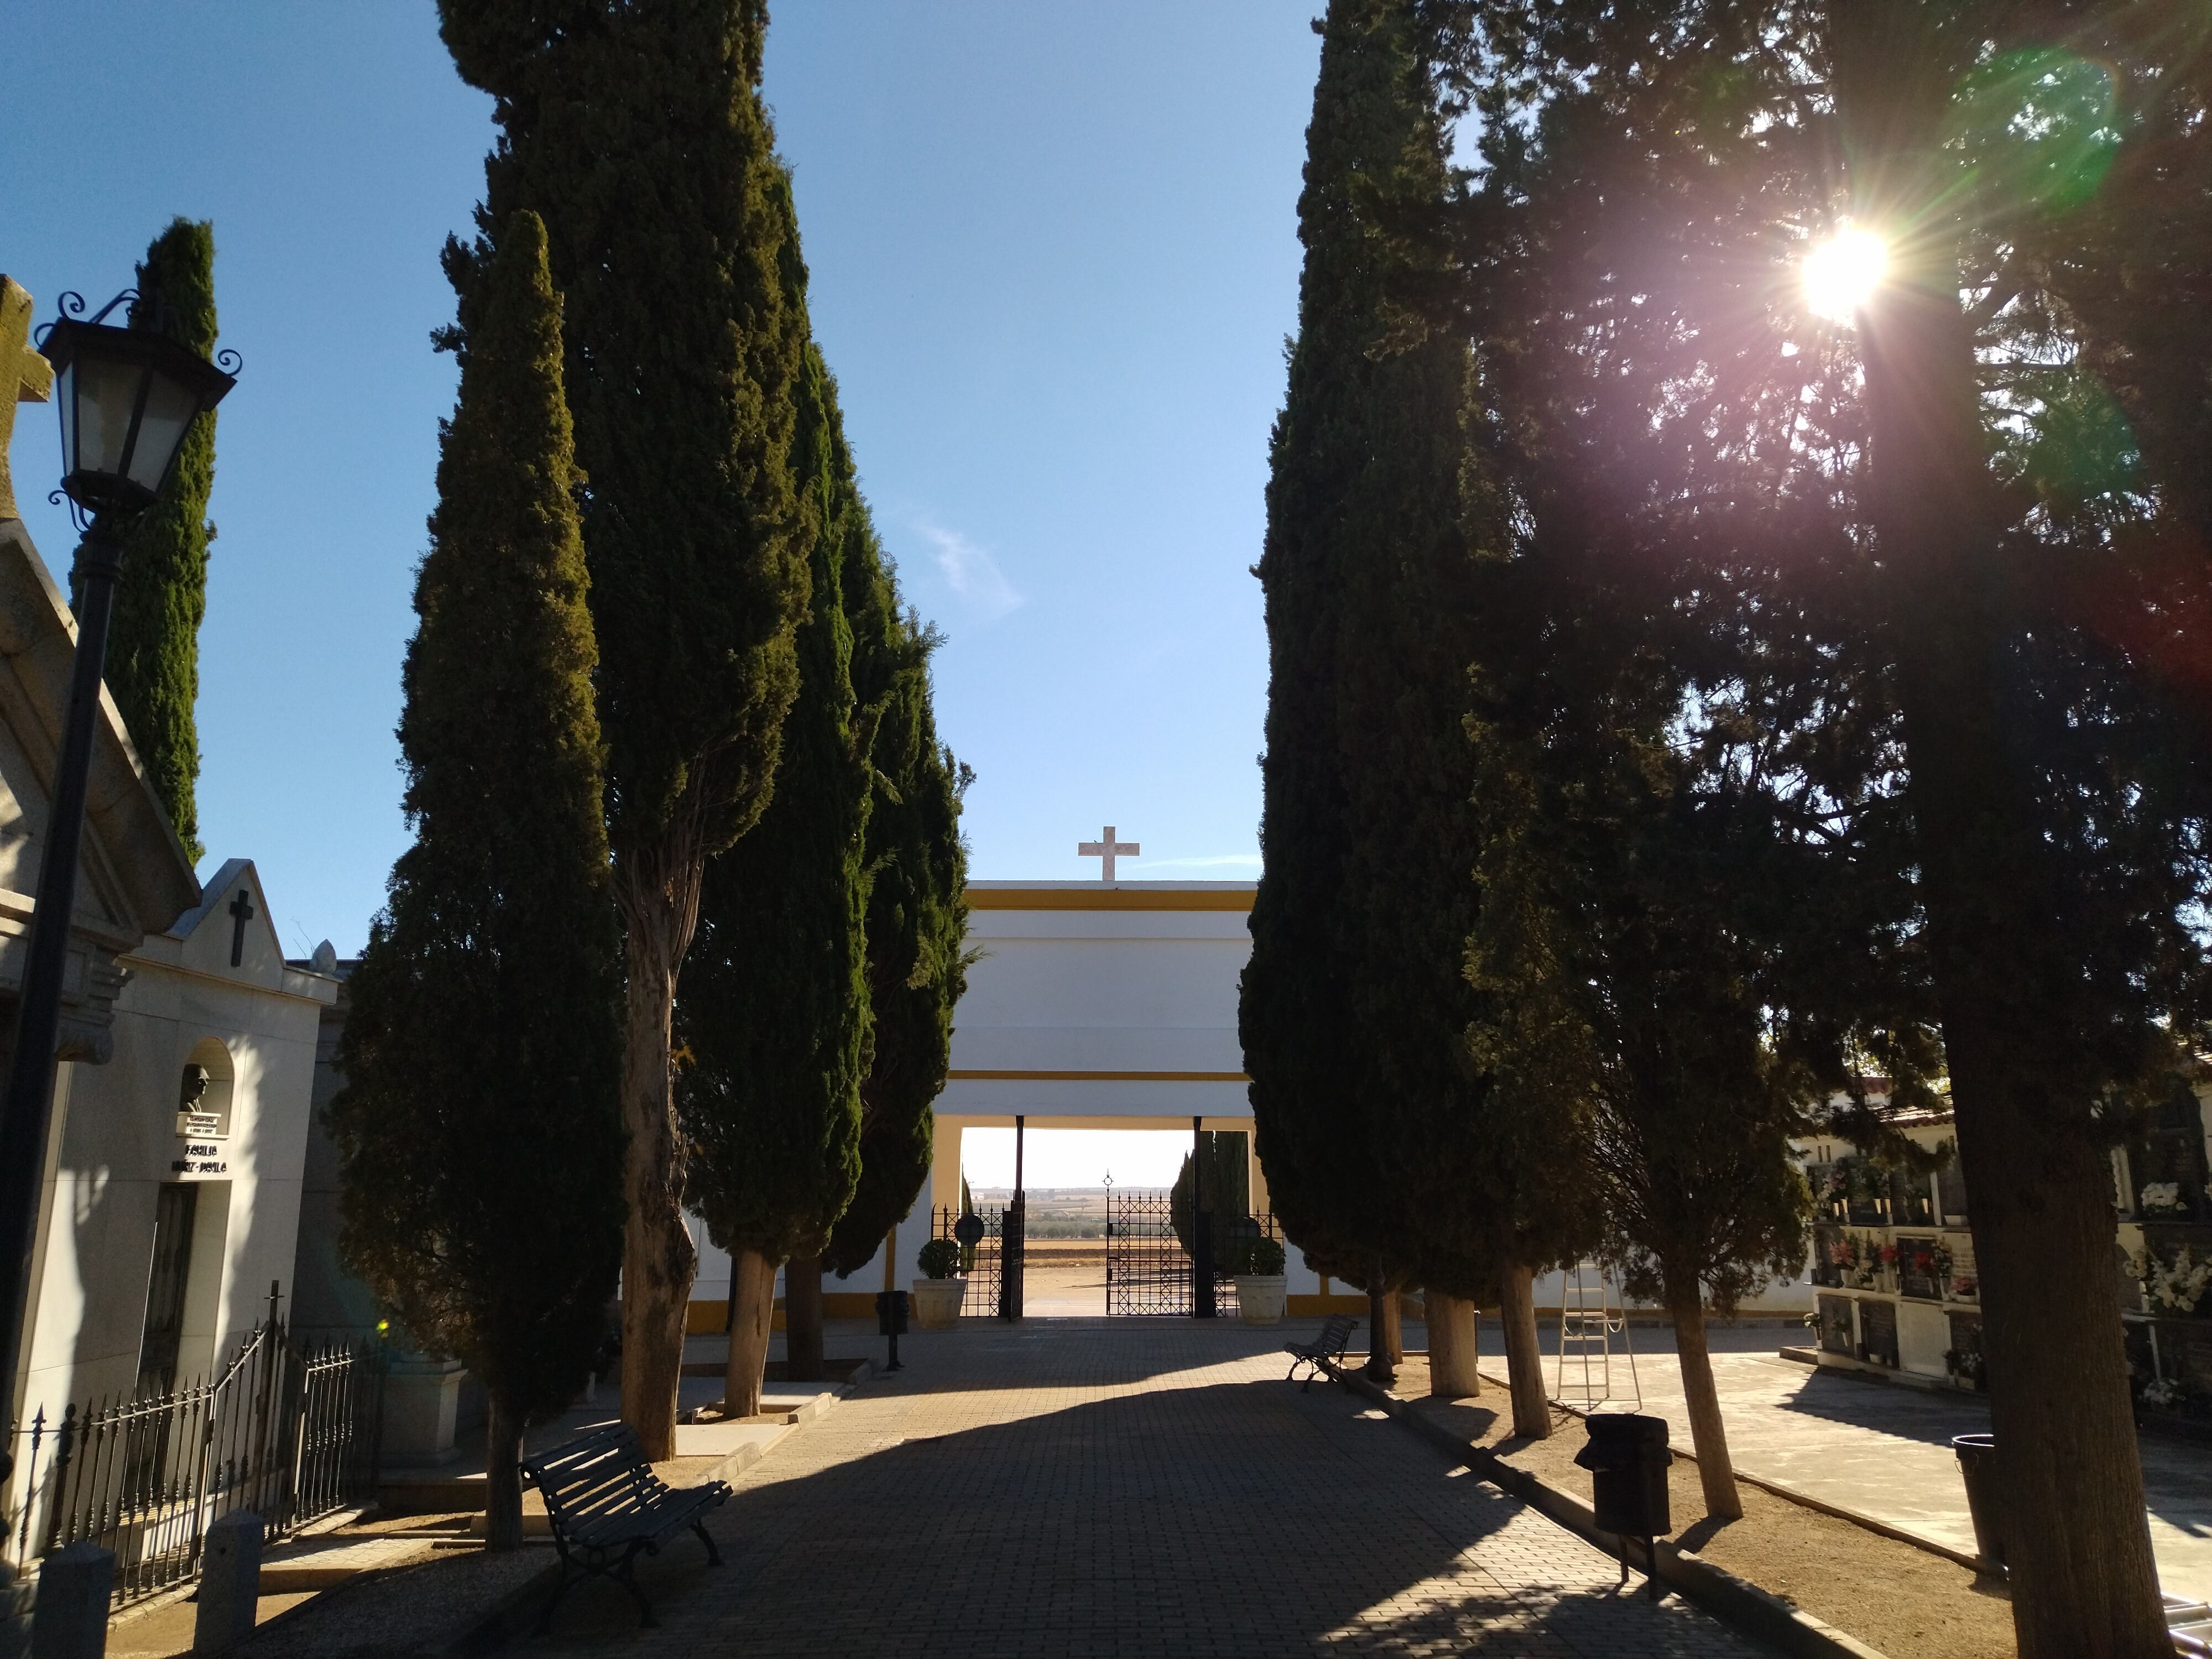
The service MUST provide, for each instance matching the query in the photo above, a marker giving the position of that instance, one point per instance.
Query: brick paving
(1104, 1487)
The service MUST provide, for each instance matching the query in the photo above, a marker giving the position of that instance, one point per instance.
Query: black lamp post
(127, 397)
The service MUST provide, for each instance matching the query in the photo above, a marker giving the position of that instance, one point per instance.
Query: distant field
(1061, 1213)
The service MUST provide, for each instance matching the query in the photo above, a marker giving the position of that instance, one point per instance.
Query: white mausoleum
(170, 1185)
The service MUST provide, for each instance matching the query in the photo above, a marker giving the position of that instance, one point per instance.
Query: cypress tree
(480, 1126)
(1227, 1192)
(638, 133)
(1295, 1011)
(1488, 1181)
(917, 915)
(775, 1010)
(1389, 1156)
(153, 654)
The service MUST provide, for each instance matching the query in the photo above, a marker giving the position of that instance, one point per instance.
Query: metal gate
(1148, 1271)
(991, 1264)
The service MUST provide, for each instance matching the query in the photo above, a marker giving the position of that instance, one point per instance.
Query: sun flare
(1841, 272)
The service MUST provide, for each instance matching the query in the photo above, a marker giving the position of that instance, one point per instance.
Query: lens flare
(1842, 273)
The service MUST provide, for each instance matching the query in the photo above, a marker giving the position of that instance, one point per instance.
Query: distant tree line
(1694, 720)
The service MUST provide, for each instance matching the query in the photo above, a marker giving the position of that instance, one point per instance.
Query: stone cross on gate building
(25, 377)
(1104, 849)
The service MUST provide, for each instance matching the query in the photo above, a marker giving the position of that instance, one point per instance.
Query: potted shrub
(1260, 1284)
(937, 1298)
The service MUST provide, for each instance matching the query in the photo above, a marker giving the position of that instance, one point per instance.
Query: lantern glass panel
(170, 407)
(102, 395)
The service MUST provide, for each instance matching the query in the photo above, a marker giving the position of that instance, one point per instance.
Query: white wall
(116, 1144)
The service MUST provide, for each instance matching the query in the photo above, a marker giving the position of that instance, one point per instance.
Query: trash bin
(1627, 1458)
(1978, 1466)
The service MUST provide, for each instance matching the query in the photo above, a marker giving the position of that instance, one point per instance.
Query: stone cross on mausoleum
(25, 377)
(1105, 848)
(241, 912)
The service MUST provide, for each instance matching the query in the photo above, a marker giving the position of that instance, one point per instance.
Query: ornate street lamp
(127, 397)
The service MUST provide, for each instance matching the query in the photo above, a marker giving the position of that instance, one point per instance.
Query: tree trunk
(502, 1477)
(2084, 1582)
(657, 888)
(802, 1319)
(1524, 1360)
(1454, 1347)
(1381, 1326)
(1708, 1433)
(752, 1291)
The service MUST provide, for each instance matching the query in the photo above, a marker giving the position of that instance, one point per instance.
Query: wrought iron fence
(288, 1433)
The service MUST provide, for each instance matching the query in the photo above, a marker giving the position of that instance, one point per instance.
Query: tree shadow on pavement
(1234, 1518)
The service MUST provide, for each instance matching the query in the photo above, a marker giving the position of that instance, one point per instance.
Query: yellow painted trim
(1098, 1077)
(1105, 898)
(707, 1318)
(1308, 1307)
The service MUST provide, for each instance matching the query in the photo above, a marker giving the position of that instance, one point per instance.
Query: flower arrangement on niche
(2177, 1285)
(2161, 1198)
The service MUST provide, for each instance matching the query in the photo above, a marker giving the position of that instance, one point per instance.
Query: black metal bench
(608, 1508)
(1324, 1351)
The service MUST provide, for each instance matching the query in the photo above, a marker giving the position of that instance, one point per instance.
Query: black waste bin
(1627, 1458)
(1978, 1454)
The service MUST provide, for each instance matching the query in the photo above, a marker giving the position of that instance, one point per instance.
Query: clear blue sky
(1054, 259)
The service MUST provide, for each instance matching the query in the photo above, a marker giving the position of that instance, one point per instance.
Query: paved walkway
(1097, 1487)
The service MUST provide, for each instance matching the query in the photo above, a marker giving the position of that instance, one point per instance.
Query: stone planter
(421, 1404)
(936, 1303)
(1260, 1298)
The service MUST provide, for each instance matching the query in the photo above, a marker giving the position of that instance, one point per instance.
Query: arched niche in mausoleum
(204, 1089)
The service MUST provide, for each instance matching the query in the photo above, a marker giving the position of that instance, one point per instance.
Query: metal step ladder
(1589, 1321)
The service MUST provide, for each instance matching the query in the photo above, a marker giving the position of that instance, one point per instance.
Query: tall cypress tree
(1294, 1014)
(775, 1009)
(917, 916)
(480, 1125)
(1486, 1182)
(153, 655)
(638, 133)
(1387, 1155)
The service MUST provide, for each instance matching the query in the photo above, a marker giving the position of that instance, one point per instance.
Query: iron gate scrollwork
(991, 1264)
(1149, 1271)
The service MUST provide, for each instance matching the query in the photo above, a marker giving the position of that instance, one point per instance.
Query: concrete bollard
(68, 1620)
(15, 1591)
(230, 1582)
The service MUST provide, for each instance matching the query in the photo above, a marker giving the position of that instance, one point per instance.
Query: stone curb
(1720, 1592)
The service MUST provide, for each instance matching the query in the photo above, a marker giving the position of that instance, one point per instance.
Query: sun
(1841, 272)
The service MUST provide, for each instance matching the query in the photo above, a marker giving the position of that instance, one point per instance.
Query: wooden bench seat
(1324, 1352)
(607, 1507)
